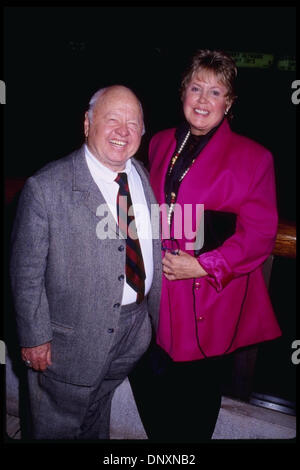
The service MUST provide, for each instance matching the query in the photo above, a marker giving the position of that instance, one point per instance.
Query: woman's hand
(181, 266)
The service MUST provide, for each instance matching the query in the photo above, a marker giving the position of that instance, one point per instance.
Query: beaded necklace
(173, 161)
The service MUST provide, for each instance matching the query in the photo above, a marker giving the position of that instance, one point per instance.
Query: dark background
(55, 58)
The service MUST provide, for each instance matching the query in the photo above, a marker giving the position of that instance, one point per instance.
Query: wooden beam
(285, 244)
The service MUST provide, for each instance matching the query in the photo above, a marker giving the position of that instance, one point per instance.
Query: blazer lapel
(211, 155)
(160, 167)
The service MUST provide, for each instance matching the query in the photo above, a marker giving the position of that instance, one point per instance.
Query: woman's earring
(226, 112)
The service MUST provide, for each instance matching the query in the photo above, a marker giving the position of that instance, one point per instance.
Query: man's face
(114, 134)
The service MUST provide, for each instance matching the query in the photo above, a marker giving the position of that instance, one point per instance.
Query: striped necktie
(135, 270)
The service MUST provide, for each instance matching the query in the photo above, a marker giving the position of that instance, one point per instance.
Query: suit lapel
(91, 197)
(145, 182)
(90, 194)
(155, 222)
(84, 183)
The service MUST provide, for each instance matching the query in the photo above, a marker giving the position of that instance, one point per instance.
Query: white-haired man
(84, 301)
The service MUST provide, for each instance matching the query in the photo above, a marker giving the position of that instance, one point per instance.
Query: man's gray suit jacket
(67, 283)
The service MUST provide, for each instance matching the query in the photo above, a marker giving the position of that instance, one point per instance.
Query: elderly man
(83, 294)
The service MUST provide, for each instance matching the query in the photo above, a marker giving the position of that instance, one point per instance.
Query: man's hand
(39, 356)
(181, 266)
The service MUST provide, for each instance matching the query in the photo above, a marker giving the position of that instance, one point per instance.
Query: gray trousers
(65, 411)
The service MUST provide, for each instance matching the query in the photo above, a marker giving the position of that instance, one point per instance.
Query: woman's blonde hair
(218, 62)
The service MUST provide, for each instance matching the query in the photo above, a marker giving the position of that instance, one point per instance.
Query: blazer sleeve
(29, 249)
(255, 234)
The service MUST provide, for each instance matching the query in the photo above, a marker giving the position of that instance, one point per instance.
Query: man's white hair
(97, 95)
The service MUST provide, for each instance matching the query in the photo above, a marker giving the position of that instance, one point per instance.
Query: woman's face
(204, 102)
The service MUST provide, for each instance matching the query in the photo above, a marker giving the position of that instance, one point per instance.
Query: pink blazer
(233, 309)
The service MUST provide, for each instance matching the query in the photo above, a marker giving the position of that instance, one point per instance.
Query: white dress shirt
(104, 178)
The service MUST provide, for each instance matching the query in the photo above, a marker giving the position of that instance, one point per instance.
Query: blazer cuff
(31, 340)
(217, 268)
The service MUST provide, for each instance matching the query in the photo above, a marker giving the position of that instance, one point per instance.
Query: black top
(191, 150)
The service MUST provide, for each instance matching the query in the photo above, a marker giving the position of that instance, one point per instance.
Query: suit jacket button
(121, 248)
(121, 277)
(117, 305)
(110, 330)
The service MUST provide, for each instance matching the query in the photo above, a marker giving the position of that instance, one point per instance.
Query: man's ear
(86, 124)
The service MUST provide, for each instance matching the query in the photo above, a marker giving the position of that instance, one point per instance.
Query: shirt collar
(103, 172)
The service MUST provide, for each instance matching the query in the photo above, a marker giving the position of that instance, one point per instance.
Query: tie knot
(122, 179)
